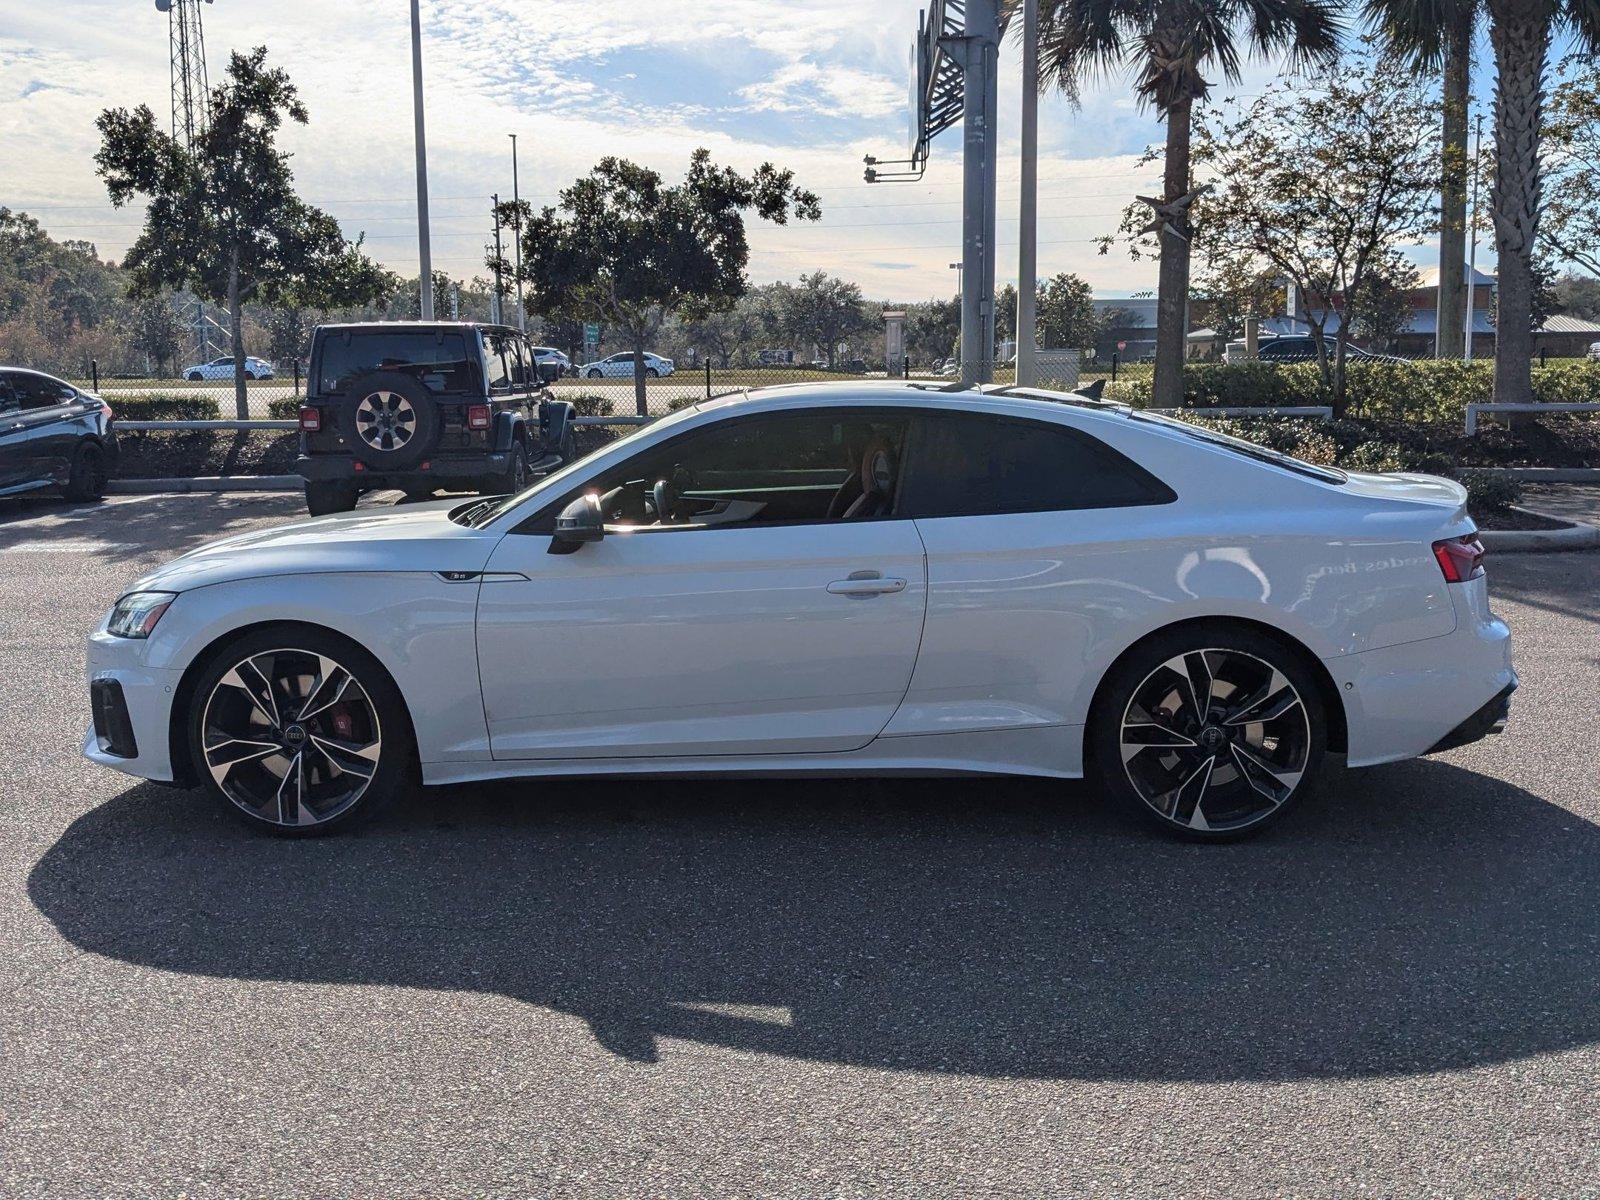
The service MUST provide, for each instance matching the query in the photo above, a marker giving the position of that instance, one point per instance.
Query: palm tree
(1520, 32)
(1171, 45)
(1436, 37)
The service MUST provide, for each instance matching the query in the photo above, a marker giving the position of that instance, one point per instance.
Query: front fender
(419, 626)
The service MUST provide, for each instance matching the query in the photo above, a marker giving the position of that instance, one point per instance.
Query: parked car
(620, 366)
(53, 435)
(1295, 348)
(222, 368)
(552, 363)
(832, 578)
(1594, 352)
(421, 406)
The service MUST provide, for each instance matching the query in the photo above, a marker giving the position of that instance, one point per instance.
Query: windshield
(481, 512)
(1248, 449)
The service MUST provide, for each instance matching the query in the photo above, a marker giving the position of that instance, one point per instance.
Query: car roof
(419, 326)
(982, 398)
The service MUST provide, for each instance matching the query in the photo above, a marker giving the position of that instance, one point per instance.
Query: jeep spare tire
(389, 420)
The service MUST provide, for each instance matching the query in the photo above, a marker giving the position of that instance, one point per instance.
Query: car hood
(409, 537)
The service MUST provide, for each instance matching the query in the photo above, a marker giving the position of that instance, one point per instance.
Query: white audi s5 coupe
(841, 579)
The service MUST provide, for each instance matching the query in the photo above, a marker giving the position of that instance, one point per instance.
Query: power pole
(424, 251)
(979, 100)
(1028, 206)
(516, 230)
(191, 91)
(499, 290)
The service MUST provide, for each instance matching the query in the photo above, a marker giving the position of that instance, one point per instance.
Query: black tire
(652, 373)
(515, 478)
(86, 477)
(595, 374)
(250, 375)
(416, 495)
(389, 420)
(1257, 770)
(569, 446)
(195, 377)
(327, 496)
(369, 715)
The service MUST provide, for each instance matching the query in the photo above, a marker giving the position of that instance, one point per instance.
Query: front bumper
(146, 697)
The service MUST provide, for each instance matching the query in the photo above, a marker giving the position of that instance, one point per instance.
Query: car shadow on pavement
(1412, 918)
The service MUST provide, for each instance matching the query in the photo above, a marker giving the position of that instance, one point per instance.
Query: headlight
(136, 614)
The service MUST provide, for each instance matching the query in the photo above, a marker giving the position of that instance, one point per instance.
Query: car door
(746, 599)
(13, 453)
(47, 423)
(1028, 527)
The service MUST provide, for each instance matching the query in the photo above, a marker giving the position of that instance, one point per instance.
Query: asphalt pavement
(834, 987)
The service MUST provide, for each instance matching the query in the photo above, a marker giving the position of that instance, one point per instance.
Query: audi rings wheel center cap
(294, 736)
(1213, 738)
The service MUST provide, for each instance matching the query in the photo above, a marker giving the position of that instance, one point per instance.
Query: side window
(975, 466)
(500, 359)
(772, 469)
(40, 391)
(8, 398)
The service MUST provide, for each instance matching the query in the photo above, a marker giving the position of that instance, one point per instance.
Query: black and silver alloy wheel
(290, 736)
(385, 420)
(1215, 740)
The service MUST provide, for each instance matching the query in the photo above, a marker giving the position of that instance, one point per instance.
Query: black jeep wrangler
(422, 406)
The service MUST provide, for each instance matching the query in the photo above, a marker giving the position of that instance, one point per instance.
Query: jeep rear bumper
(480, 465)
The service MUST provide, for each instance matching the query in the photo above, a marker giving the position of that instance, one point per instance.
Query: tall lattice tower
(190, 87)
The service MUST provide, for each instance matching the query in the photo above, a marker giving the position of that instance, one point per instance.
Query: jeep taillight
(1460, 558)
(311, 419)
(477, 416)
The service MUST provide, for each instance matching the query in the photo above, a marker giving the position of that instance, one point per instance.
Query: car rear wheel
(86, 478)
(194, 377)
(1210, 732)
(327, 496)
(299, 732)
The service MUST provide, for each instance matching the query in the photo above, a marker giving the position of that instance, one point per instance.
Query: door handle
(866, 583)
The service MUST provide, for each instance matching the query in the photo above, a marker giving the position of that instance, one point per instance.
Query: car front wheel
(299, 732)
(592, 375)
(195, 377)
(1210, 732)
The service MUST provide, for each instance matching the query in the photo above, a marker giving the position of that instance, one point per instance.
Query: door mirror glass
(581, 521)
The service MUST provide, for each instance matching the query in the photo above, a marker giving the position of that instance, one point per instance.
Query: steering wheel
(666, 499)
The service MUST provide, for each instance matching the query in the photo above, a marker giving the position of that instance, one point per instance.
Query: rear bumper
(1413, 699)
(439, 466)
(1491, 718)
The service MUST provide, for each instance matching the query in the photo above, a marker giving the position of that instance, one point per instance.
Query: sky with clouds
(808, 84)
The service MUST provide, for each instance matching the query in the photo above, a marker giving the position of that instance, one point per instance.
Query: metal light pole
(981, 48)
(424, 251)
(1028, 206)
(516, 226)
(1472, 226)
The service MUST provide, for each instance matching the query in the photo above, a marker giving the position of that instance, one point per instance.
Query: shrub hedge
(1427, 390)
(165, 408)
(1354, 446)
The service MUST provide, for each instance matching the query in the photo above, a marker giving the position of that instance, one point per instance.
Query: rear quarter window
(978, 465)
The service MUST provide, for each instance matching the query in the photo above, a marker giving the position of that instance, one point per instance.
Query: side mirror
(581, 521)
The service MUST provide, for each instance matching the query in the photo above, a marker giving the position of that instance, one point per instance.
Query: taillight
(310, 419)
(477, 416)
(1460, 558)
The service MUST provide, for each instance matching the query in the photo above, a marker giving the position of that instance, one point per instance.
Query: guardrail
(1474, 408)
(134, 425)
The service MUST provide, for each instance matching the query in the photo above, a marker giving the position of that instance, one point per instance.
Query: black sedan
(53, 436)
